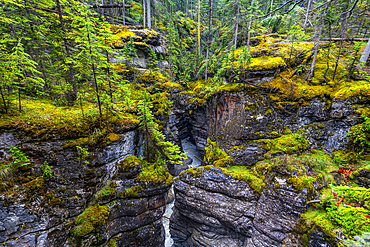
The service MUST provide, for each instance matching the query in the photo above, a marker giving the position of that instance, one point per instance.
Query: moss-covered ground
(292, 64)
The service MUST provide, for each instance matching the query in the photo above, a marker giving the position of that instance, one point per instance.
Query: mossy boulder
(92, 218)
(129, 167)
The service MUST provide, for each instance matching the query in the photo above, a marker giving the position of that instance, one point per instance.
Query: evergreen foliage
(70, 72)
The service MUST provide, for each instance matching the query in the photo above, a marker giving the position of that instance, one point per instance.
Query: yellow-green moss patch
(131, 192)
(129, 162)
(93, 217)
(215, 155)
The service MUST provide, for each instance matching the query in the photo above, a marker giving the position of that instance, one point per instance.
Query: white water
(191, 150)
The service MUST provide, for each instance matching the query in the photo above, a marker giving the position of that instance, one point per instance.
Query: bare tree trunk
(102, 10)
(19, 100)
(312, 71)
(337, 62)
(237, 25)
(328, 56)
(95, 80)
(144, 12)
(72, 96)
(199, 28)
(343, 22)
(187, 8)
(364, 56)
(268, 27)
(124, 13)
(149, 14)
(307, 14)
(4, 102)
(209, 34)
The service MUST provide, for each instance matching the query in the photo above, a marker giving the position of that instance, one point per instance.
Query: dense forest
(287, 79)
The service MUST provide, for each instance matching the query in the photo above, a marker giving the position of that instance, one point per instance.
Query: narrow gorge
(210, 124)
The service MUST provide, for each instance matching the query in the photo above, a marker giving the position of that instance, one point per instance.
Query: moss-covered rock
(93, 217)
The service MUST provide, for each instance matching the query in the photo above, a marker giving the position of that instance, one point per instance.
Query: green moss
(62, 189)
(109, 190)
(34, 186)
(56, 201)
(131, 192)
(196, 171)
(215, 155)
(250, 107)
(154, 75)
(240, 147)
(359, 135)
(288, 143)
(262, 63)
(129, 162)
(5, 170)
(112, 243)
(255, 181)
(241, 173)
(112, 137)
(269, 113)
(233, 87)
(156, 172)
(93, 217)
(42, 120)
(301, 182)
(49, 195)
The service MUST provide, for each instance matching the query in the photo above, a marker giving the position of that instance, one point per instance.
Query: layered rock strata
(87, 201)
(214, 209)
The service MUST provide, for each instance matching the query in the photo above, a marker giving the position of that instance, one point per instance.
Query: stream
(191, 150)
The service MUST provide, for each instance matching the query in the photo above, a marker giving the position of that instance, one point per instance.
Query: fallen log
(110, 6)
(201, 160)
(342, 39)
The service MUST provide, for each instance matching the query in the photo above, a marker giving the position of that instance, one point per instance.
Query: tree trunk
(19, 100)
(237, 25)
(337, 62)
(187, 8)
(307, 14)
(144, 12)
(312, 71)
(209, 35)
(71, 96)
(94, 74)
(4, 102)
(102, 10)
(123, 13)
(149, 14)
(364, 56)
(343, 22)
(199, 28)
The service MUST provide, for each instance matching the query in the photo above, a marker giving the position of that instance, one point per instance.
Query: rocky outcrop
(362, 177)
(214, 209)
(239, 119)
(144, 41)
(88, 201)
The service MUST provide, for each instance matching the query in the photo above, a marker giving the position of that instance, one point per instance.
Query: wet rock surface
(214, 209)
(46, 215)
(237, 120)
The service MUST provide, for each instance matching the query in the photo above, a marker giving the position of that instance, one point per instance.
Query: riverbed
(191, 150)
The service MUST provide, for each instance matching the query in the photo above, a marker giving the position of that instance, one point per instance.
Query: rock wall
(215, 209)
(113, 205)
(241, 118)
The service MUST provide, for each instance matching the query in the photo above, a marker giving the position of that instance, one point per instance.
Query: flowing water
(191, 150)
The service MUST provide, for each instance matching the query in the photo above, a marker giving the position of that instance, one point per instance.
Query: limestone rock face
(214, 209)
(237, 120)
(362, 177)
(43, 212)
